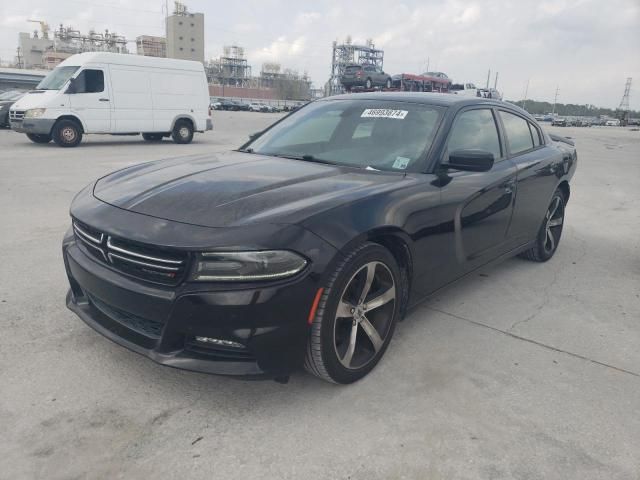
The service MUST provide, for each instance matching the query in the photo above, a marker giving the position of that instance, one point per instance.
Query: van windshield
(57, 78)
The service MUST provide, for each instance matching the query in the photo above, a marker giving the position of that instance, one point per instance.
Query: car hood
(37, 99)
(234, 189)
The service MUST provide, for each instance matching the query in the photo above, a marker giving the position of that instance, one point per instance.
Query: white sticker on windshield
(384, 113)
(401, 163)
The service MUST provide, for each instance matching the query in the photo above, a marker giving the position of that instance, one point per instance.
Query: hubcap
(553, 225)
(184, 132)
(364, 315)
(68, 134)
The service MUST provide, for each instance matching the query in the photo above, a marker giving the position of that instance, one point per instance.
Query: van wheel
(153, 137)
(39, 138)
(182, 131)
(67, 133)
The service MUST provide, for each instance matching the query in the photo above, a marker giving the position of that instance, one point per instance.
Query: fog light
(217, 341)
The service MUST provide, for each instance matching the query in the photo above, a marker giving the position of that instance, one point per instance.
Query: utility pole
(488, 77)
(555, 100)
(495, 84)
(18, 57)
(526, 92)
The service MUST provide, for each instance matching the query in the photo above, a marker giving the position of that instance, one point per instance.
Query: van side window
(90, 81)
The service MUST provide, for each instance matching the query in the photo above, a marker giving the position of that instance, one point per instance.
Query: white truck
(112, 93)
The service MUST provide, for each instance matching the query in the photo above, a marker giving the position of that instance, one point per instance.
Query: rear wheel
(153, 137)
(39, 137)
(356, 316)
(182, 131)
(550, 231)
(67, 133)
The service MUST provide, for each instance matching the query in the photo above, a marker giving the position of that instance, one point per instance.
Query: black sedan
(308, 244)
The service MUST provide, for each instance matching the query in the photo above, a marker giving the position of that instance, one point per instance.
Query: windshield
(381, 135)
(11, 95)
(57, 78)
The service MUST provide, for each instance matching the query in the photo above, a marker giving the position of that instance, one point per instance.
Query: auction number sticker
(384, 113)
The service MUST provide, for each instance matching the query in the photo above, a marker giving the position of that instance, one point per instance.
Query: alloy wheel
(364, 315)
(553, 225)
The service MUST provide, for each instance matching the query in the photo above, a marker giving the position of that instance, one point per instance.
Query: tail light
(359, 73)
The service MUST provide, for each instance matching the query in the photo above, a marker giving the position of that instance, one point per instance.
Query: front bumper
(269, 320)
(40, 126)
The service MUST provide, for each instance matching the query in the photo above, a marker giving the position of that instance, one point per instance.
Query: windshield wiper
(306, 158)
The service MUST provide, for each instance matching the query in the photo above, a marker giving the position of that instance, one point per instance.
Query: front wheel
(356, 316)
(39, 137)
(550, 231)
(368, 84)
(388, 83)
(67, 133)
(182, 131)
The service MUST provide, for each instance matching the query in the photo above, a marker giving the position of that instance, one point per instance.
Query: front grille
(16, 115)
(146, 327)
(148, 262)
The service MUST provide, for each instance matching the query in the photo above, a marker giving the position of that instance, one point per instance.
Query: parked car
(612, 123)
(559, 122)
(308, 244)
(226, 104)
(97, 92)
(365, 76)
(216, 104)
(255, 107)
(7, 99)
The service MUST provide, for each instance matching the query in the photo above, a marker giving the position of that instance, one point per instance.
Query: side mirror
(72, 88)
(470, 160)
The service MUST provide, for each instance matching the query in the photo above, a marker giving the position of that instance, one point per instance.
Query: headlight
(247, 266)
(34, 113)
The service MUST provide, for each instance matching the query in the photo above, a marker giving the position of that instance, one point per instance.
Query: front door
(90, 101)
(480, 204)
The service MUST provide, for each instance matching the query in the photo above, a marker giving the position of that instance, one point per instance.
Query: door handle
(104, 99)
(508, 187)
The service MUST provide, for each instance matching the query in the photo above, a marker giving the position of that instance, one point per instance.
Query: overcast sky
(585, 47)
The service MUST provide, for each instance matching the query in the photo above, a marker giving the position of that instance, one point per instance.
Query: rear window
(353, 69)
(518, 133)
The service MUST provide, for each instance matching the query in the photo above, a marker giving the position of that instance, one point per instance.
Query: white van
(114, 93)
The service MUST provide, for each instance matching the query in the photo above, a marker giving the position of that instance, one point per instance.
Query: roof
(427, 98)
(137, 60)
(430, 98)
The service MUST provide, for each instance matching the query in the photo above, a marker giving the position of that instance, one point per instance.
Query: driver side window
(475, 130)
(90, 81)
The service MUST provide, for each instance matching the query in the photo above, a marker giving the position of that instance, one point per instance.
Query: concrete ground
(523, 371)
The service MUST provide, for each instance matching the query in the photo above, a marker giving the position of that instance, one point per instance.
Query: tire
(182, 131)
(334, 330)
(389, 83)
(39, 138)
(67, 133)
(368, 84)
(153, 137)
(550, 231)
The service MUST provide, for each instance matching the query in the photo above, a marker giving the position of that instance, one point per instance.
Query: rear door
(91, 101)
(538, 167)
(480, 204)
